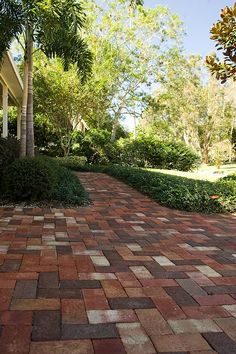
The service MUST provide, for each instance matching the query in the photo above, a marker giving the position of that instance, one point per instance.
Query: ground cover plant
(175, 191)
(41, 179)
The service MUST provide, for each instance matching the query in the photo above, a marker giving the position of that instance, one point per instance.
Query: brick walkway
(121, 276)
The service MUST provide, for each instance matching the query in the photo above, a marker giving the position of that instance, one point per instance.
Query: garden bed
(174, 191)
(41, 182)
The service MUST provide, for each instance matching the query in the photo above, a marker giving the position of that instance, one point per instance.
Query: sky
(198, 17)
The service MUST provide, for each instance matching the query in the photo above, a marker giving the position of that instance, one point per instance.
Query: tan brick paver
(123, 275)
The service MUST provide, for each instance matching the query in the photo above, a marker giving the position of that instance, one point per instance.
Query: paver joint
(123, 275)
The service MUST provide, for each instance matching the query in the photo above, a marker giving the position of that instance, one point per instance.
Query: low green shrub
(30, 178)
(92, 145)
(175, 191)
(69, 190)
(153, 153)
(227, 193)
(231, 177)
(42, 179)
(72, 162)
(143, 152)
(9, 152)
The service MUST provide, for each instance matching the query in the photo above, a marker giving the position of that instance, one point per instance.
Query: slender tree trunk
(186, 138)
(29, 117)
(24, 102)
(135, 128)
(231, 143)
(205, 154)
(114, 130)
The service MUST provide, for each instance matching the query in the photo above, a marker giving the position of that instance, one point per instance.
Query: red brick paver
(123, 275)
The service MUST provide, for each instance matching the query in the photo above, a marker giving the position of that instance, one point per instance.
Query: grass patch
(209, 173)
(175, 191)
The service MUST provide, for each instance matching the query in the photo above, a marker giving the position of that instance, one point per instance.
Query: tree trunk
(205, 154)
(135, 129)
(29, 116)
(231, 144)
(24, 104)
(114, 129)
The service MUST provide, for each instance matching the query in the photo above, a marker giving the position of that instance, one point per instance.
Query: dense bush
(93, 145)
(143, 152)
(42, 179)
(72, 162)
(30, 178)
(231, 177)
(69, 190)
(45, 138)
(149, 152)
(174, 191)
(9, 151)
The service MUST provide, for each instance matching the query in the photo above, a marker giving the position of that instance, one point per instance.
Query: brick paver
(123, 275)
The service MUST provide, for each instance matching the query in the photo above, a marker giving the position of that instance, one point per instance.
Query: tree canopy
(224, 33)
(190, 107)
(55, 29)
(51, 26)
(129, 52)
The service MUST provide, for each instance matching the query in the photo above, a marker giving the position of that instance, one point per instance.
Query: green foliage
(9, 151)
(72, 162)
(129, 48)
(42, 179)
(54, 26)
(69, 191)
(233, 139)
(10, 23)
(30, 179)
(58, 102)
(189, 108)
(46, 139)
(231, 177)
(149, 152)
(176, 192)
(223, 32)
(93, 145)
(143, 152)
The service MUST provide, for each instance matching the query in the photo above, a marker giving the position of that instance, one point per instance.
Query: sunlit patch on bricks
(123, 275)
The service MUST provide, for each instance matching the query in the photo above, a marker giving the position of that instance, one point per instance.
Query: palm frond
(11, 19)
(59, 34)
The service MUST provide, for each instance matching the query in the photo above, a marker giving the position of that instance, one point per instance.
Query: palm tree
(51, 26)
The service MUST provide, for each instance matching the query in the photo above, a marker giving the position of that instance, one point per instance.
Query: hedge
(41, 179)
(175, 191)
(153, 153)
(9, 152)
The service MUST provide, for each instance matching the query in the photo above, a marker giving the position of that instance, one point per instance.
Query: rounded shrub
(72, 162)
(153, 153)
(92, 145)
(9, 151)
(69, 190)
(30, 178)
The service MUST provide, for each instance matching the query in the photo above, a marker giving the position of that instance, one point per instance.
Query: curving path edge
(123, 275)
